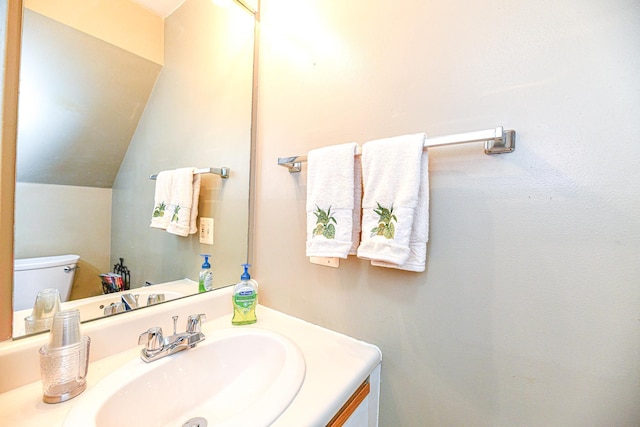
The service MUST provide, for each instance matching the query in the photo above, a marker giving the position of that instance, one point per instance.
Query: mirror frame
(12, 17)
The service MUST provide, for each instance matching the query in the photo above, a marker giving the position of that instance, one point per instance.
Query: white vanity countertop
(335, 366)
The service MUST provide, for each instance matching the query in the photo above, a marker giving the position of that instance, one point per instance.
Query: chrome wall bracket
(294, 164)
(501, 144)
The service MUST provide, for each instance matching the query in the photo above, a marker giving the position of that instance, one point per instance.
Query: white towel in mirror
(160, 216)
(183, 206)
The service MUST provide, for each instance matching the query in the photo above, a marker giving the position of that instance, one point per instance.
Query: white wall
(81, 99)
(199, 114)
(65, 219)
(528, 313)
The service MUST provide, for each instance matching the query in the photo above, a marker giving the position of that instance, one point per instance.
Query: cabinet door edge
(350, 406)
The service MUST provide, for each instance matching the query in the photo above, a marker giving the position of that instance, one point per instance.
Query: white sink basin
(236, 377)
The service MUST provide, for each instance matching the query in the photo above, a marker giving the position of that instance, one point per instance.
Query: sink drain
(196, 422)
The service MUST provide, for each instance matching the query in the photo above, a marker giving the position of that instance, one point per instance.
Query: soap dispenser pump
(245, 299)
(205, 279)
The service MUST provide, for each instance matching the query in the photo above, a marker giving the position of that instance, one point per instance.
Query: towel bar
(223, 172)
(496, 141)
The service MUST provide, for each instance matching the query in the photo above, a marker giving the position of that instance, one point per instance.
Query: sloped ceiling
(165, 8)
(80, 102)
(161, 8)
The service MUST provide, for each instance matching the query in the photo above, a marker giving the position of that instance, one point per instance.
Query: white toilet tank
(31, 275)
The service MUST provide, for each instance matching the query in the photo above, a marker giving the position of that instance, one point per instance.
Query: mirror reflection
(102, 107)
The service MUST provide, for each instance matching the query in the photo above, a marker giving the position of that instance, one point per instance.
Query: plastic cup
(65, 329)
(47, 304)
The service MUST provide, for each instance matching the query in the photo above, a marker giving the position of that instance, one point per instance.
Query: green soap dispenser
(205, 279)
(245, 299)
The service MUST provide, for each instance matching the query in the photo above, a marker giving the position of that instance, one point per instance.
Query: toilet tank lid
(44, 262)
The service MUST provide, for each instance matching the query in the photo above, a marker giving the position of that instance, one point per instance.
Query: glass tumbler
(47, 304)
(64, 361)
(64, 370)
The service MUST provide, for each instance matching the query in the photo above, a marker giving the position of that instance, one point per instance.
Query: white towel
(160, 216)
(420, 229)
(330, 201)
(391, 174)
(183, 206)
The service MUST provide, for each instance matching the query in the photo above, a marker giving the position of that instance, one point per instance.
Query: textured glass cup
(64, 370)
(32, 325)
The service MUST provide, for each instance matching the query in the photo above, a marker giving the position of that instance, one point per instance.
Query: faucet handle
(113, 308)
(152, 338)
(194, 322)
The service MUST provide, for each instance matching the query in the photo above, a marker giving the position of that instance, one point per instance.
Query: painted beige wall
(199, 115)
(64, 219)
(528, 311)
(77, 118)
(121, 22)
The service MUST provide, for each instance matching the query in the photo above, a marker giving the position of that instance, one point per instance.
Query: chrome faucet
(130, 301)
(158, 346)
(127, 302)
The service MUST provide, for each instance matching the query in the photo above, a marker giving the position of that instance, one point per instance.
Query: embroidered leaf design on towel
(385, 225)
(174, 218)
(159, 210)
(323, 223)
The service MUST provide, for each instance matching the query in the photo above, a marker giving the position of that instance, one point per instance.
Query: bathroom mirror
(97, 115)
